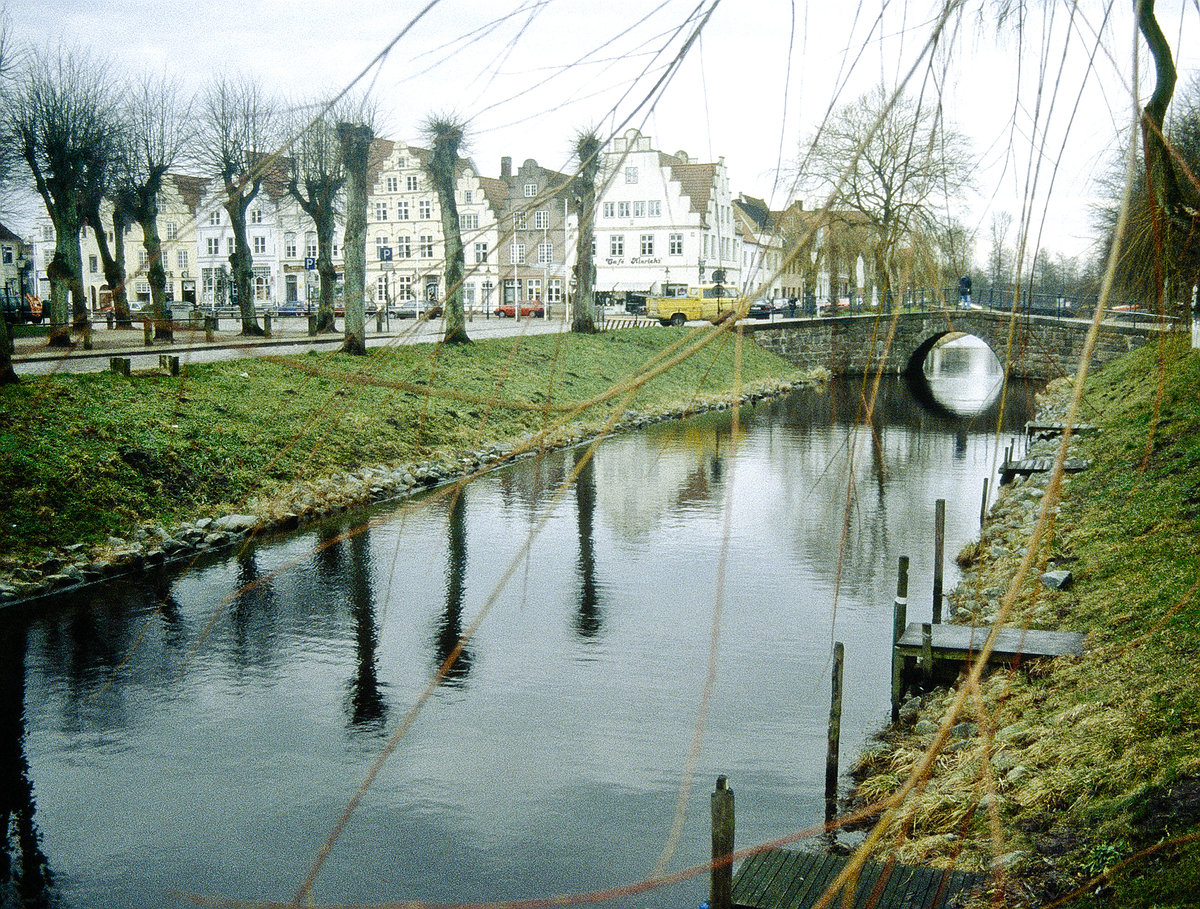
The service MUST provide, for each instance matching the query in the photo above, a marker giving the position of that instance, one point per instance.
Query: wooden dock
(1026, 466)
(782, 879)
(1040, 432)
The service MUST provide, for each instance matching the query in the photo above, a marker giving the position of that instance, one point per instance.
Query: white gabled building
(406, 252)
(663, 221)
(761, 246)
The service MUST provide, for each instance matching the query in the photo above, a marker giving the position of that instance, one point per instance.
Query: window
(516, 254)
(485, 290)
(181, 259)
(469, 295)
(610, 209)
(675, 244)
(214, 246)
(410, 183)
(468, 221)
(631, 175)
(172, 230)
(143, 259)
(518, 220)
(93, 263)
(214, 218)
(231, 246)
(468, 197)
(289, 246)
(654, 208)
(381, 287)
(391, 184)
(424, 209)
(291, 289)
(541, 219)
(381, 243)
(401, 211)
(47, 233)
(404, 289)
(639, 209)
(381, 209)
(260, 246)
(310, 244)
(530, 190)
(481, 253)
(425, 246)
(616, 245)
(256, 216)
(647, 244)
(404, 247)
(533, 289)
(622, 209)
(545, 253)
(554, 290)
(142, 289)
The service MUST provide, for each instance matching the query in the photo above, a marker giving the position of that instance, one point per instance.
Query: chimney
(506, 166)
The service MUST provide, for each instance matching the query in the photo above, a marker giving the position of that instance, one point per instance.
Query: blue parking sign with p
(310, 263)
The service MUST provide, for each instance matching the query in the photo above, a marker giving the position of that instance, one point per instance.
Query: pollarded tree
(355, 139)
(445, 133)
(891, 159)
(235, 142)
(587, 151)
(316, 181)
(63, 116)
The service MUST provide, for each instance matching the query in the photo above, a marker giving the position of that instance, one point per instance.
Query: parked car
(761, 308)
(509, 310)
(290, 308)
(414, 309)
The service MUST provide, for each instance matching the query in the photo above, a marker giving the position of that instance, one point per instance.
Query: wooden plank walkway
(782, 879)
(1036, 432)
(960, 642)
(1026, 466)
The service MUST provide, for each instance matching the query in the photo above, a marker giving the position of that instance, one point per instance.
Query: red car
(509, 310)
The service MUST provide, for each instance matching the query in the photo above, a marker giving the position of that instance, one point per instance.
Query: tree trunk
(114, 270)
(65, 272)
(583, 308)
(442, 166)
(157, 275)
(356, 144)
(7, 375)
(119, 291)
(242, 267)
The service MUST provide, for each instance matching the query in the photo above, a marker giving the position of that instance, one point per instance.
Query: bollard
(720, 891)
(927, 652)
(119, 365)
(312, 324)
(939, 545)
(210, 328)
(835, 731)
(379, 320)
(983, 503)
(267, 324)
(899, 623)
(87, 335)
(169, 363)
(148, 331)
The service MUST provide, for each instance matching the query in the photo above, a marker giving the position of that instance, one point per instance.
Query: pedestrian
(964, 292)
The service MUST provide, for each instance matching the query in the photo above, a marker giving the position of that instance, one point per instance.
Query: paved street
(289, 336)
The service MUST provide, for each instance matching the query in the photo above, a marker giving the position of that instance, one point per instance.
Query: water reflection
(24, 871)
(589, 620)
(453, 659)
(962, 377)
(367, 706)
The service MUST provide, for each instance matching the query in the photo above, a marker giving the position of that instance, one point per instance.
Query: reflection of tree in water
(252, 615)
(24, 872)
(450, 627)
(589, 620)
(367, 707)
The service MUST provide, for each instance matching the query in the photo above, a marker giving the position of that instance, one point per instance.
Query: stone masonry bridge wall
(1042, 347)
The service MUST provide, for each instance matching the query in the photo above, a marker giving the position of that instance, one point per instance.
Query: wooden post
(983, 503)
(148, 331)
(835, 731)
(720, 893)
(119, 365)
(939, 544)
(267, 324)
(899, 623)
(927, 651)
(169, 363)
(210, 328)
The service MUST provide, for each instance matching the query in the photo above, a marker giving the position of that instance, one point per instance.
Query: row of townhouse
(663, 221)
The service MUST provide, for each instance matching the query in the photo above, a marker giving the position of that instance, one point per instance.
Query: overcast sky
(529, 73)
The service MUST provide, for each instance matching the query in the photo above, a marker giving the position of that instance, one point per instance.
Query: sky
(753, 86)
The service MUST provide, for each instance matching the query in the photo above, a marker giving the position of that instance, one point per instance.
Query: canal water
(200, 732)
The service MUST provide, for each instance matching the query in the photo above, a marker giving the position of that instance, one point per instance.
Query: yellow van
(713, 302)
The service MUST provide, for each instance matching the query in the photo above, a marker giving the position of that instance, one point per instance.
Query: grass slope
(85, 457)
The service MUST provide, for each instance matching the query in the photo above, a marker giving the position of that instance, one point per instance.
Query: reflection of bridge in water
(1034, 347)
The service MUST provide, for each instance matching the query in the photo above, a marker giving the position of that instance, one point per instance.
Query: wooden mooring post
(835, 731)
(899, 622)
(983, 503)
(720, 891)
(927, 651)
(939, 545)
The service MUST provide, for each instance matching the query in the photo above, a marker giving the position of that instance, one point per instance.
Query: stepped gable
(190, 188)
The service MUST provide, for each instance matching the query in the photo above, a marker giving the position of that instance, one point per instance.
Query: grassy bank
(86, 457)
(1090, 769)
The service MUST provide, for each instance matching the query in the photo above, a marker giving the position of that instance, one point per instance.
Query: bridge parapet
(1042, 347)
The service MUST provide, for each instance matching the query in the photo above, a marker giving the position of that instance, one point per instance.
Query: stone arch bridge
(1042, 347)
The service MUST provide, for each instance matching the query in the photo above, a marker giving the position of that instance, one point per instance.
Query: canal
(200, 732)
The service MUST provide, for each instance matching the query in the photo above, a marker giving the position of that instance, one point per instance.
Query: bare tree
(891, 159)
(7, 161)
(316, 181)
(159, 128)
(587, 151)
(445, 133)
(355, 139)
(235, 141)
(63, 118)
